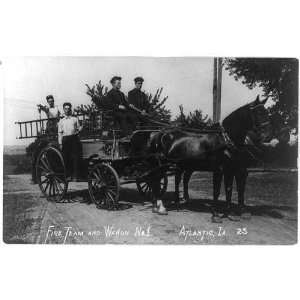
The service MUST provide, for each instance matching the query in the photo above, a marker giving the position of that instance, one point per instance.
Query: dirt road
(30, 218)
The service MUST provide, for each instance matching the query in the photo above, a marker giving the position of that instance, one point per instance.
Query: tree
(156, 106)
(278, 78)
(98, 94)
(194, 119)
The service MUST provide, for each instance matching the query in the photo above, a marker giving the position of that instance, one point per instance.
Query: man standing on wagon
(53, 114)
(51, 110)
(68, 139)
(118, 103)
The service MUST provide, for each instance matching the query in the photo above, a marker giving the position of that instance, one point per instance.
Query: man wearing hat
(118, 103)
(137, 97)
(68, 139)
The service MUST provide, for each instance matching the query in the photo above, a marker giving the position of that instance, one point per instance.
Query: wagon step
(127, 180)
(75, 179)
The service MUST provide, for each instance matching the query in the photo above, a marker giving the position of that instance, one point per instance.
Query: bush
(195, 119)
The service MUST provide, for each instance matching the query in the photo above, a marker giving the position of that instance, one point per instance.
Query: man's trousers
(72, 153)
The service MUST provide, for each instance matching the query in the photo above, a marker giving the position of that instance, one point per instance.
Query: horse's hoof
(234, 218)
(162, 211)
(246, 216)
(155, 209)
(216, 219)
(186, 201)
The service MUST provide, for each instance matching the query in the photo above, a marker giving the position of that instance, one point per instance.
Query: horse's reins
(256, 129)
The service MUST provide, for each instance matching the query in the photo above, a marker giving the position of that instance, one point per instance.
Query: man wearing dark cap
(118, 103)
(137, 98)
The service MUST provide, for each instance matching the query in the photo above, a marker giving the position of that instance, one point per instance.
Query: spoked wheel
(104, 186)
(145, 190)
(51, 174)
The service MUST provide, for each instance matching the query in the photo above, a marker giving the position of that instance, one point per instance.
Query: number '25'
(242, 231)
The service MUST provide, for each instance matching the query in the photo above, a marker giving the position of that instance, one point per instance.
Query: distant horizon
(14, 145)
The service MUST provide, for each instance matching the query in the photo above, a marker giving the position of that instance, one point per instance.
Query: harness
(228, 141)
(230, 145)
(257, 128)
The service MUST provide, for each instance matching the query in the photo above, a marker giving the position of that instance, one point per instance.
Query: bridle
(257, 128)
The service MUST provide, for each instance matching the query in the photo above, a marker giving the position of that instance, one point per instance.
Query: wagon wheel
(104, 186)
(51, 174)
(146, 191)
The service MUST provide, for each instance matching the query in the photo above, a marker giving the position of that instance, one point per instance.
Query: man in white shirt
(51, 110)
(53, 114)
(68, 139)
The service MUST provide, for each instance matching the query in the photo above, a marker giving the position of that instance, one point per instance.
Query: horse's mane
(237, 123)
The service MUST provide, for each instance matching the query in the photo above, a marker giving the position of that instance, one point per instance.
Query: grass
(16, 164)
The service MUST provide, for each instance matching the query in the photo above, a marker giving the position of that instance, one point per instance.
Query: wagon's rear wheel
(104, 186)
(145, 190)
(51, 174)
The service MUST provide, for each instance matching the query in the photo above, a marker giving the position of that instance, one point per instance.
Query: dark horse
(221, 152)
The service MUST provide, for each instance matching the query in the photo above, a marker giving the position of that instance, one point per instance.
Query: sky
(187, 81)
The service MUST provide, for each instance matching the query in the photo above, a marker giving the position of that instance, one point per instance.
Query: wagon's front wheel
(51, 174)
(104, 186)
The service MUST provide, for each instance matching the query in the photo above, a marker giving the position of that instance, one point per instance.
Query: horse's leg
(241, 178)
(158, 205)
(186, 178)
(228, 182)
(178, 176)
(217, 181)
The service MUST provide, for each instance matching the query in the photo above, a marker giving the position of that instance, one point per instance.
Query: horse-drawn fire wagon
(108, 161)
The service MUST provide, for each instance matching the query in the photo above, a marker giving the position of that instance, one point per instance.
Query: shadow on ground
(201, 205)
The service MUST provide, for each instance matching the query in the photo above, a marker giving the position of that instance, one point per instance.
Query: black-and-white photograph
(150, 150)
